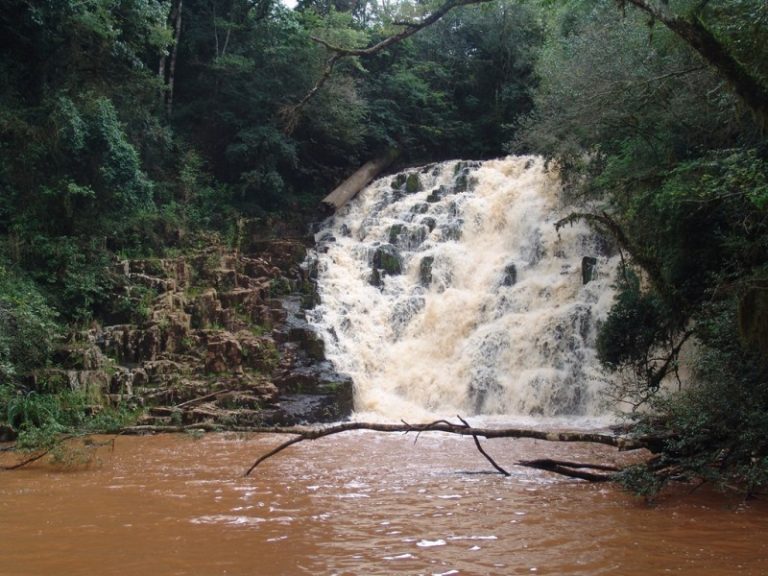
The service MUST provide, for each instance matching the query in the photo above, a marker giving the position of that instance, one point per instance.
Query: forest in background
(141, 128)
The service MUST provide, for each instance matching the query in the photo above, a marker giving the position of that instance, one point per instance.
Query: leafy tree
(640, 120)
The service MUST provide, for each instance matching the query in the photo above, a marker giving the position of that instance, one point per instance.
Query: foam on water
(490, 314)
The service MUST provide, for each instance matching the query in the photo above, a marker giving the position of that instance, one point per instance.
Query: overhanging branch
(292, 113)
(694, 33)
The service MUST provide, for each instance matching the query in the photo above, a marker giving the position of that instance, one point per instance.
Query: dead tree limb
(302, 434)
(291, 114)
(483, 452)
(29, 460)
(170, 429)
(571, 469)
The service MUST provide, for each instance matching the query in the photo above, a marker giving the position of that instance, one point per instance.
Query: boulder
(413, 183)
(387, 259)
(223, 353)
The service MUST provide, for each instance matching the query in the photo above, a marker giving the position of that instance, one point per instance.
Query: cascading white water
(447, 290)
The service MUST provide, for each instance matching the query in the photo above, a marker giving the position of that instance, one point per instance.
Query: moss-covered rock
(413, 184)
(394, 233)
(387, 259)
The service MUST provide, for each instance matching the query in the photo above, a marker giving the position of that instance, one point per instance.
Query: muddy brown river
(358, 504)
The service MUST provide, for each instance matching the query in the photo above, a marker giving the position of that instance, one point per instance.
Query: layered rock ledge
(218, 336)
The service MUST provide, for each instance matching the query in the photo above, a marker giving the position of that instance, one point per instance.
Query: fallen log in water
(464, 429)
(578, 470)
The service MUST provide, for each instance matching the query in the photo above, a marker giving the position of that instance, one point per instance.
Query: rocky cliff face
(218, 336)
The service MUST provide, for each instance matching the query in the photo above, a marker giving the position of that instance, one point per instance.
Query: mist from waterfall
(446, 289)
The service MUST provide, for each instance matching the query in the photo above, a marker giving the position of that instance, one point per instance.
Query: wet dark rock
(450, 232)
(394, 233)
(398, 182)
(588, 269)
(413, 184)
(437, 194)
(510, 275)
(310, 341)
(425, 270)
(429, 222)
(407, 237)
(386, 261)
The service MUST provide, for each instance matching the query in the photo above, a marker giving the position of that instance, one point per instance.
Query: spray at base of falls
(447, 289)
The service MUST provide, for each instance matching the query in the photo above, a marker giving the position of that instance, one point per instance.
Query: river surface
(359, 503)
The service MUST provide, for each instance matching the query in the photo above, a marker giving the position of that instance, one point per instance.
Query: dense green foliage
(641, 124)
(132, 127)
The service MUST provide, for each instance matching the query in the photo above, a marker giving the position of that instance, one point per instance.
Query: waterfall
(446, 289)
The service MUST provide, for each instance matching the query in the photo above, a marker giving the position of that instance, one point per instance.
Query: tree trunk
(360, 179)
(174, 55)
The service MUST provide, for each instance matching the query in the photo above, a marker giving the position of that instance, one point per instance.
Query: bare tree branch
(620, 442)
(39, 454)
(292, 113)
(483, 452)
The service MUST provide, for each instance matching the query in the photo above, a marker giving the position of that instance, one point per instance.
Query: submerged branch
(483, 452)
(572, 469)
(39, 454)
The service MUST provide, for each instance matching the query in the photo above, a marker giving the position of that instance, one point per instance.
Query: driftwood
(464, 429)
(360, 179)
